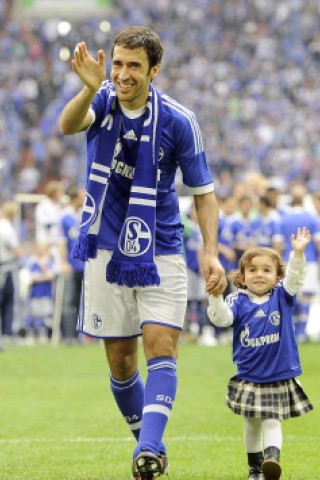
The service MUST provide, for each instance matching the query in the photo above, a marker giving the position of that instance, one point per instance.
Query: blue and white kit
(264, 344)
(180, 147)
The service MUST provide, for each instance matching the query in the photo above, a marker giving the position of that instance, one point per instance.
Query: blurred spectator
(296, 216)
(70, 224)
(5, 11)
(10, 251)
(266, 226)
(241, 225)
(197, 323)
(227, 253)
(316, 202)
(47, 213)
(47, 221)
(39, 317)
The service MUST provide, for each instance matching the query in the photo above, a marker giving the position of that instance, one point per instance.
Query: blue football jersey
(192, 243)
(45, 287)
(226, 238)
(180, 147)
(264, 344)
(242, 233)
(70, 224)
(294, 218)
(265, 230)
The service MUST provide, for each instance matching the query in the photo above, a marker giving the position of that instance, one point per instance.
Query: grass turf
(58, 420)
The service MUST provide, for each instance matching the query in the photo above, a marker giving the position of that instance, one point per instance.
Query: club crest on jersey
(135, 238)
(274, 318)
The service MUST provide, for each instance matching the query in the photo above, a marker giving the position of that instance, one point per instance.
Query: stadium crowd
(248, 68)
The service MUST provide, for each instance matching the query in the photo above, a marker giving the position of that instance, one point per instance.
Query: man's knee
(122, 356)
(160, 341)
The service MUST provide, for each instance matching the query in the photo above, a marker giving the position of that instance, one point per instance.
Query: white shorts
(110, 310)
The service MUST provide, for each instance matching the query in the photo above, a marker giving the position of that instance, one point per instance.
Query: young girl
(264, 389)
(43, 272)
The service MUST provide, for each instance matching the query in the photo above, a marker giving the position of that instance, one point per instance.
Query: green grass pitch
(58, 420)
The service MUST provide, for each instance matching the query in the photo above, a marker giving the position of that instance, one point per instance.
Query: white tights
(260, 434)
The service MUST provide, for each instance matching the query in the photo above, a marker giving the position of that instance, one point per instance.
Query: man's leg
(160, 346)
(125, 381)
(7, 305)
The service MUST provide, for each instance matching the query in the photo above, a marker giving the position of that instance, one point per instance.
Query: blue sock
(160, 393)
(129, 396)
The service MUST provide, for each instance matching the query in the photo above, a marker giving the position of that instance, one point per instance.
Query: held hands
(214, 275)
(92, 72)
(300, 240)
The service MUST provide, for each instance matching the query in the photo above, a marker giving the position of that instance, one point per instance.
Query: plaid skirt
(281, 400)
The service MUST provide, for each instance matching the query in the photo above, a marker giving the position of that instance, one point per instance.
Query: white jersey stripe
(191, 117)
(146, 190)
(142, 201)
(194, 126)
(100, 168)
(98, 178)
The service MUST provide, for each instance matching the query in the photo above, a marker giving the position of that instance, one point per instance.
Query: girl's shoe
(255, 466)
(271, 467)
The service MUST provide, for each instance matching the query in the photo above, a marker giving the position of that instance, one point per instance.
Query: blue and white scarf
(132, 262)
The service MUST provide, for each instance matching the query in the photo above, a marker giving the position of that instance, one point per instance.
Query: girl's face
(261, 275)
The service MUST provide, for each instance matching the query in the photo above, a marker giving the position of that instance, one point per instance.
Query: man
(131, 234)
(10, 252)
(70, 222)
(295, 215)
(266, 225)
(47, 215)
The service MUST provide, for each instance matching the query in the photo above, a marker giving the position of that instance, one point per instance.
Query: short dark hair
(136, 37)
(265, 201)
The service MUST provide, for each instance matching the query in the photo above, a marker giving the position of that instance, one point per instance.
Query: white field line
(199, 438)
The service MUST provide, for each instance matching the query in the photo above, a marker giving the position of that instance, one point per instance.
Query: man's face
(131, 76)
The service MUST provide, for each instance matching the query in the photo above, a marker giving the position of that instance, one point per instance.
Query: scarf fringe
(142, 274)
(85, 247)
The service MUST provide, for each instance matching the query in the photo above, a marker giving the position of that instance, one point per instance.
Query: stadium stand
(249, 69)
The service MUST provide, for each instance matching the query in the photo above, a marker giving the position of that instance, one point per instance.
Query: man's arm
(75, 116)
(208, 215)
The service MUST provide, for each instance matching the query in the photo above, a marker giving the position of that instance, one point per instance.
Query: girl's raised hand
(300, 240)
